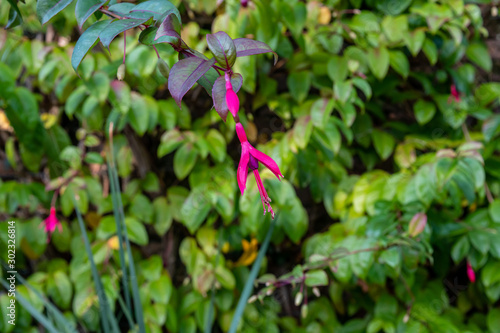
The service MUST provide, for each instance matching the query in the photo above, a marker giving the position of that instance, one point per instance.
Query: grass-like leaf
(248, 288)
(53, 310)
(115, 190)
(40, 317)
(210, 313)
(119, 231)
(108, 319)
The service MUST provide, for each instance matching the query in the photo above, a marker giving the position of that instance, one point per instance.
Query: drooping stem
(124, 45)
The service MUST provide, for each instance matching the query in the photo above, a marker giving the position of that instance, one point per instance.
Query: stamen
(266, 201)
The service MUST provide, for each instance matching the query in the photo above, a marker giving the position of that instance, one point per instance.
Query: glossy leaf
(246, 47)
(85, 8)
(223, 48)
(87, 41)
(219, 93)
(117, 27)
(184, 75)
(46, 9)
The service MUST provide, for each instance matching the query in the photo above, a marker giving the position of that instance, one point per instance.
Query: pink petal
(242, 172)
(232, 101)
(240, 131)
(470, 273)
(267, 161)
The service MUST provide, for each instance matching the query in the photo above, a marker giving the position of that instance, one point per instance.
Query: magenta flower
(244, 3)
(232, 101)
(454, 93)
(50, 224)
(470, 273)
(250, 158)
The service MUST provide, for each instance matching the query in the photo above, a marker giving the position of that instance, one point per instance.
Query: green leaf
(99, 85)
(378, 60)
(493, 320)
(195, 209)
(414, 41)
(399, 62)
(384, 143)
(299, 84)
(494, 210)
(225, 277)
(247, 289)
(184, 160)
(117, 27)
(302, 131)
(480, 240)
(86, 42)
(491, 127)
(395, 27)
(478, 53)
(46, 9)
(430, 51)
(139, 114)
(460, 249)
(424, 111)
(162, 216)
(337, 68)
(136, 231)
(216, 145)
(342, 90)
(223, 48)
(316, 278)
(85, 8)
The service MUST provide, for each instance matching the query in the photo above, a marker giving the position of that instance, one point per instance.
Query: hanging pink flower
(470, 273)
(232, 101)
(50, 224)
(250, 158)
(454, 93)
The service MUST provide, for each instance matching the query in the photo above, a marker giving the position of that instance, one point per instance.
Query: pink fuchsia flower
(470, 273)
(250, 158)
(454, 93)
(50, 224)
(232, 101)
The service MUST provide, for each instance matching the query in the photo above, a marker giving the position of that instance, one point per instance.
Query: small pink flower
(232, 101)
(470, 273)
(244, 3)
(50, 224)
(454, 93)
(250, 158)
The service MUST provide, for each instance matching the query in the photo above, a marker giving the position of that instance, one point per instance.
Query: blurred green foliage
(357, 112)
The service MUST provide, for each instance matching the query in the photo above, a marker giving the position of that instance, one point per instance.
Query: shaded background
(358, 113)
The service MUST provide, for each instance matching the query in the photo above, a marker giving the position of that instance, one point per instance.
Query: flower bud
(120, 73)
(163, 68)
(298, 298)
(417, 224)
(304, 310)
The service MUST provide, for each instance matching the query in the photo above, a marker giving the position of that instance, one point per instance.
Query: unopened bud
(298, 298)
(316, 291)
(417, 224)
(120, 73)
(163, 68)
(252, 299)
(494, 11)
(304, 310)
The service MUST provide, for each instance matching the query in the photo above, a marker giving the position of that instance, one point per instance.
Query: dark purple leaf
(170, 27)
(223, 48)
(184, 75)
(246, 47)
(219, 93)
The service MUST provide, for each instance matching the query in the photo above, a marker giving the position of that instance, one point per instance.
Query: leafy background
(358, 114)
